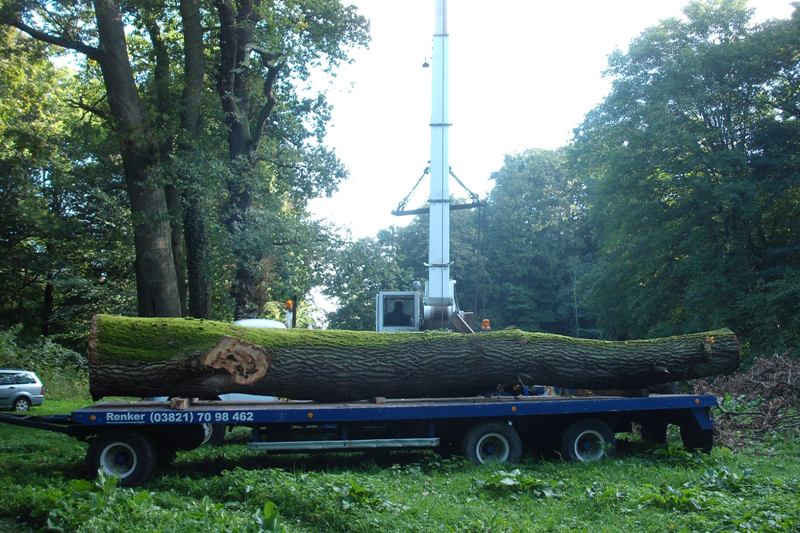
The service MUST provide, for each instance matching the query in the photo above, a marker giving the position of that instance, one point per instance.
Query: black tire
(126, 455)
(22, 405)
(587, 440)
(492, 442)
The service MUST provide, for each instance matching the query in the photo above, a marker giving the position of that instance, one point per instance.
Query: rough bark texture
(156, 285)
(246, 120)
(198, 358)
(163, 102)
(194, 224)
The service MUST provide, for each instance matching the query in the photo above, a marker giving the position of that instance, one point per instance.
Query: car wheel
(22, 405)
(492, 443)
(587, 440)
(126, 455)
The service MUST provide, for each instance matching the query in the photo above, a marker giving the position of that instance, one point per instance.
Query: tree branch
(91, 107)
(266, 110)
(58, 40)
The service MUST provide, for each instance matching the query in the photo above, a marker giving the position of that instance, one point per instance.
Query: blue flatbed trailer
(129, 439)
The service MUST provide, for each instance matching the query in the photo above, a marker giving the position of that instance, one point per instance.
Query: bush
(64, 372)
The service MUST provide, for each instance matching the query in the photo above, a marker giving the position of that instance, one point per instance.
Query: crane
(403, 310)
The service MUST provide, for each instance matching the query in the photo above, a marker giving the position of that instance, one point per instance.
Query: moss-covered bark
(189, 357)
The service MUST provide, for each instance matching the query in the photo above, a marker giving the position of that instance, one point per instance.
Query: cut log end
(245, 363)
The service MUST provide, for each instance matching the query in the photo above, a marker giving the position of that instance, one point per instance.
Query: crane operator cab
(398, 311)
(414, 310)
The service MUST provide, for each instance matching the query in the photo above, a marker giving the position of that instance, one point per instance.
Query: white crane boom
(401, 310)
(439, 298)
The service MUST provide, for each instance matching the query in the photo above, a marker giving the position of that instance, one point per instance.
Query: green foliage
(361, 270)
(43, 353)
(677, 499)
(63, 227)
(693, 190)
(502, 483)
(537, 245)
(230, 489)
(63, 372)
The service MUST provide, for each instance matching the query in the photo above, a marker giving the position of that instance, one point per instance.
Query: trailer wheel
(586, 440)
(126, 455)
(492, 443)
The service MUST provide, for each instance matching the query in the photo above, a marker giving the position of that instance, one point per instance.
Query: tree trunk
(163, 102)
(176, 220)
(47, 308)
(245, 119)
(194, 224)
(199, 280)
(197, 358)
(156, 284)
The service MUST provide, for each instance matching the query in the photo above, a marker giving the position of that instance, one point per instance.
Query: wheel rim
(589, 445)
(118, 459)
(492, 448)
(21, 405)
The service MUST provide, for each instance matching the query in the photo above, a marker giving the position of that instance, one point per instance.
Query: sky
(523, 73)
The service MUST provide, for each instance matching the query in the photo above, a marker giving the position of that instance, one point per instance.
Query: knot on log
(246, 363)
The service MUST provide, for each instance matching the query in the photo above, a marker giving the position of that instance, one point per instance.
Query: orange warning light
(288, 305)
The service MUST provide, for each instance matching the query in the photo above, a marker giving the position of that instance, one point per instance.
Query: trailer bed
(246, 413)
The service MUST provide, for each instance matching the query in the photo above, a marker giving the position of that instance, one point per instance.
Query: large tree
(693, 160)
(537, 245)
(274, 117)
(98, 33)
(63, 231)
(217, 183)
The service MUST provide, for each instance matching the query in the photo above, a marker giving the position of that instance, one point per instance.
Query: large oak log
(201, 358)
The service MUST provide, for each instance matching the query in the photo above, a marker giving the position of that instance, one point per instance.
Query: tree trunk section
(199, 358)
(197, 268)
(194, 224)
(176, 218)
(156, 283)
(47, 308)
(163, 102)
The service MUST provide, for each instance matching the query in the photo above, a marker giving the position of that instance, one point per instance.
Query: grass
(43, 485)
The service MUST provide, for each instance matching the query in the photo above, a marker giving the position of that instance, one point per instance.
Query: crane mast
(439, 298)
(405, 310)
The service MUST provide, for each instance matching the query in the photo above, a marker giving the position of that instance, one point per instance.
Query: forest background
(167, 169)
